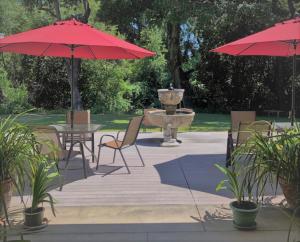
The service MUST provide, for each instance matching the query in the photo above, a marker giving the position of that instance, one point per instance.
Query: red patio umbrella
(283, 39)
(71, 39)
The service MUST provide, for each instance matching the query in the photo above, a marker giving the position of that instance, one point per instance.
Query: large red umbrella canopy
(71, 39)
(58, 38)
(282, 39)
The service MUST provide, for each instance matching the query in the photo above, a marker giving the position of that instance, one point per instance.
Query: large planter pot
(244, 214)
(35, 217)
(6, 188)
(291, 192)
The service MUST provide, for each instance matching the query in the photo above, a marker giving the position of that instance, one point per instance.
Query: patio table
(80, 131)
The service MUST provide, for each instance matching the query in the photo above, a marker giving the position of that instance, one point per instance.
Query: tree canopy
(182, 33)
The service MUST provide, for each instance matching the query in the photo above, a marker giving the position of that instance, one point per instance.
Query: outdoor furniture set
(58, 141)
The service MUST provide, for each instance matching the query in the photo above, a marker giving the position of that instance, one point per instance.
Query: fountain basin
(170, 97)
(182, 118)
(170, 123)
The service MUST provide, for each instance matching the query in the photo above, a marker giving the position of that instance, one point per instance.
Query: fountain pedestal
(170, 136)
(171, 118)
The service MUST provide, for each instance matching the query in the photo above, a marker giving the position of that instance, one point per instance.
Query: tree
(53, 8)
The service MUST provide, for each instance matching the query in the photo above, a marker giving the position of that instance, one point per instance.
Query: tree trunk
(292, 8)
(174, 57)
(57, 9)
(77, 104)
(77, 101)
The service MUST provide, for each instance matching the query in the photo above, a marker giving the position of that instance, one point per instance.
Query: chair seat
(113, 144)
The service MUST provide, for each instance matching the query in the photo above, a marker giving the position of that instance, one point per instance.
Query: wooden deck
(178, 175)
(173, 198)
(182, 175)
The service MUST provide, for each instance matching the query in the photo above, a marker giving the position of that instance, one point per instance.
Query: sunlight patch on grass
(118, 121)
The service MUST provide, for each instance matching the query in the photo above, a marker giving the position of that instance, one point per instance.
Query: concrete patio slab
(125, 215)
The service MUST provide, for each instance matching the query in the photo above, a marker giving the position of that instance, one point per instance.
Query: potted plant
(41, 175)
(276, 160)
(16, 146)
(244, 209)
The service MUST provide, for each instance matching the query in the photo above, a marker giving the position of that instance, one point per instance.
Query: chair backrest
(80, 117)
(246, 130)
(132, 131)
(241, 116)
(49, 140)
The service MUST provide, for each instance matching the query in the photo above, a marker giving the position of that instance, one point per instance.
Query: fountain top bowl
(170, 97)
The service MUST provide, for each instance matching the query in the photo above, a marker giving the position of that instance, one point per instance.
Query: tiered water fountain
(171, 118)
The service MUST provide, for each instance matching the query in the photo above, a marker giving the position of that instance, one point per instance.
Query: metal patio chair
(245, 131)
(236, 118)
(79, 117)
(129, 140)
(51, 146)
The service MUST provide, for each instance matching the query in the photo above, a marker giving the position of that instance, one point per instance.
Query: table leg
(69, 154)
(93, 147)
(83, 159)
(92, 152)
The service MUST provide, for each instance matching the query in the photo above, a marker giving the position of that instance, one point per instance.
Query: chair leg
(229, 149)
(83, 160)
(61, 181)
(115, 151)
(61, 178)
(98, 160)
(140, 155)
(124, 161)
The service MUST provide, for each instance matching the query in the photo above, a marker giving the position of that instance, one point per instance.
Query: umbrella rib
(6, 45)
(44, 51)
(92, 52)
(246, 49)
(130, 53)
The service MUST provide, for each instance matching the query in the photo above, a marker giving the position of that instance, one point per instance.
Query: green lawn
(202, 121)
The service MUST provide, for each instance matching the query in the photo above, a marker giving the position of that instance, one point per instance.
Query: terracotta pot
(291, 193)
(6, 188)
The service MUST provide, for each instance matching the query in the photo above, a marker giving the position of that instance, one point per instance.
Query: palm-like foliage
(269, 159)
(41, 176)
(17, 145)
(232, 183)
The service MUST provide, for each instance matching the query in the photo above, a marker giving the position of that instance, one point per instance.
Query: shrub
(13, 99)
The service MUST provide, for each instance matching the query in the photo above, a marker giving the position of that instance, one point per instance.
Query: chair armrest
(107, 135)
(118, 134)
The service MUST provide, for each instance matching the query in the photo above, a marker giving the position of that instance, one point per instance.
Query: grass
(118, 121)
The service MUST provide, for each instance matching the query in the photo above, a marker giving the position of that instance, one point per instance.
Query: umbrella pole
(293, 91)
(72, 86)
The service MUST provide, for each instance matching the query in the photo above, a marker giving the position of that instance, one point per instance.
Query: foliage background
(181, 33)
